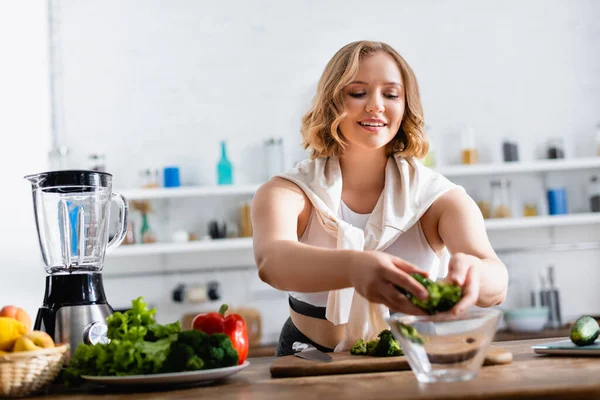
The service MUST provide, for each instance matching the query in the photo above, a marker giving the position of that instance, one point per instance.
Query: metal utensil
(308, 352)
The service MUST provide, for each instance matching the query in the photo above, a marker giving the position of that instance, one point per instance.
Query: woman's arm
(282, 261)
(474, 265)
(286, 264)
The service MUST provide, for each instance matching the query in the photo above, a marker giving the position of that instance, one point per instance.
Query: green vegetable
(384, 346)
(359, 348)
(585, 331)
(195, 350)
(138, 345)
(442, 296)
(410, 333)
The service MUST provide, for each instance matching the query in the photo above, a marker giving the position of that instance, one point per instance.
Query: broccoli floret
(359, 348)
(442, 295)
(387, 346)
(219, 353)
(196, 350)
(371, 345)
(410, 333)
(384, 346)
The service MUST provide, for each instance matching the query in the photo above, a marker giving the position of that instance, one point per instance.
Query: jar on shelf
(556, 148)
(149, 178)
(501, 198)
(484, 207)
(530, 209)
(468, 148)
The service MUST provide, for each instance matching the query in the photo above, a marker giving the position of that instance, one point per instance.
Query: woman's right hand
(374, 275)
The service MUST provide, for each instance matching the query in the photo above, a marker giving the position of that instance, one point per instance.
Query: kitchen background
(155, 84)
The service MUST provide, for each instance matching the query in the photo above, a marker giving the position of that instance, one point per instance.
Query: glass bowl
(445, 347)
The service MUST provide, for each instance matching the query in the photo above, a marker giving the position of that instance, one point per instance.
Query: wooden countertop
(529, 376)
(501, 336)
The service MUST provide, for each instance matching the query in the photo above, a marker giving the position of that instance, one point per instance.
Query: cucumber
(585, 331)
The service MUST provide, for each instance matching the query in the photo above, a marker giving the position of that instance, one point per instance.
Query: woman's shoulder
(278, 188)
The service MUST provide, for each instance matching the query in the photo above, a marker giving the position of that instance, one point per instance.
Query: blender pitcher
(72, 210)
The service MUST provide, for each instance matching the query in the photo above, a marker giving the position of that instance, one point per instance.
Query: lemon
(10, 331)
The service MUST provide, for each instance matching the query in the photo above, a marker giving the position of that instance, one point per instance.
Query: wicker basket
(26, 372)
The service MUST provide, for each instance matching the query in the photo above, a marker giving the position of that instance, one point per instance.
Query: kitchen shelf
(448, 171)
(520, 167)
(246, 243)
(544, 221)
(186, 247)
(188, 191)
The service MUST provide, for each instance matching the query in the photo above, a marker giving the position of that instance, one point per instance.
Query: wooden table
(529, 376)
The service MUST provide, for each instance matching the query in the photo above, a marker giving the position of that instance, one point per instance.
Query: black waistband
(309, 310)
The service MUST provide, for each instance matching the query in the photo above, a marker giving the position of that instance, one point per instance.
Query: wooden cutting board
(345, 363)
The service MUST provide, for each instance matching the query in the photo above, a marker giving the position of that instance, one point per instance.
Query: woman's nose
(375, 104)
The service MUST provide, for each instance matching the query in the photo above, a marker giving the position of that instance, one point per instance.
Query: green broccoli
(371, 345)
(384, 346)
(442, 296)
(196, 350)
(387, 346)
(410, 333)
(359, 348)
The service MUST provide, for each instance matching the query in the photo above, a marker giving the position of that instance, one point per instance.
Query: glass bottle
(274, 156)
(224, 168)
(501, 199)
(469, 150)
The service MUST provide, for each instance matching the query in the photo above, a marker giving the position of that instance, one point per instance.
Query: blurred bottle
(501, 199)
(149, 178)
(245, 220)
(469, 150)
(484, 207)
(530, 209)
(553, 300)
(594, 194)
(556, 148)
(274, 156)
(510, 151)
(130, 235)
(224, 168)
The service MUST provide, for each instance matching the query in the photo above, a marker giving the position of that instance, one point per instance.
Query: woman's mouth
(372, 126)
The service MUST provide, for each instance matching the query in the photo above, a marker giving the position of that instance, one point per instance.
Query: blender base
(74, 310)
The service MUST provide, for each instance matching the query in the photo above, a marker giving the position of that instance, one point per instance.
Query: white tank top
(411, 246)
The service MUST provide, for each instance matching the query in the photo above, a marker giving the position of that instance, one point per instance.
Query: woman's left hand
(464, 270)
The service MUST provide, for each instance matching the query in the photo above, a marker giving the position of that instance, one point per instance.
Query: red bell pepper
(233, 325)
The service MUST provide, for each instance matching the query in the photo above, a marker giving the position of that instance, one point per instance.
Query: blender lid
(70, 178)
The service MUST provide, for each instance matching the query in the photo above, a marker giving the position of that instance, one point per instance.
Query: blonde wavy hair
(320, 125)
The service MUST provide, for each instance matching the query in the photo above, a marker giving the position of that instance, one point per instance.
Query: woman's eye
(392, 96)
(357, 95)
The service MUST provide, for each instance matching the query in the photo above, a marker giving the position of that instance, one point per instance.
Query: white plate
(566, 347)
(202, 376)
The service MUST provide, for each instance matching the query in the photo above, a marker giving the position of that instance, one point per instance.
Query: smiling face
(374, 103)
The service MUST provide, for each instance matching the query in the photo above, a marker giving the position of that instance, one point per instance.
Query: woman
(342, 229)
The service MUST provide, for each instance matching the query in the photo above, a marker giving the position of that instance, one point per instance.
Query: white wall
(152, 83)
(25, 132)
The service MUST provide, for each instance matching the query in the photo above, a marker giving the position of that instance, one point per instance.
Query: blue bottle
(224, 168)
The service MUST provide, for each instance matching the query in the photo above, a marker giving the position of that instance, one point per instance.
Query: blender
(72, 213)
